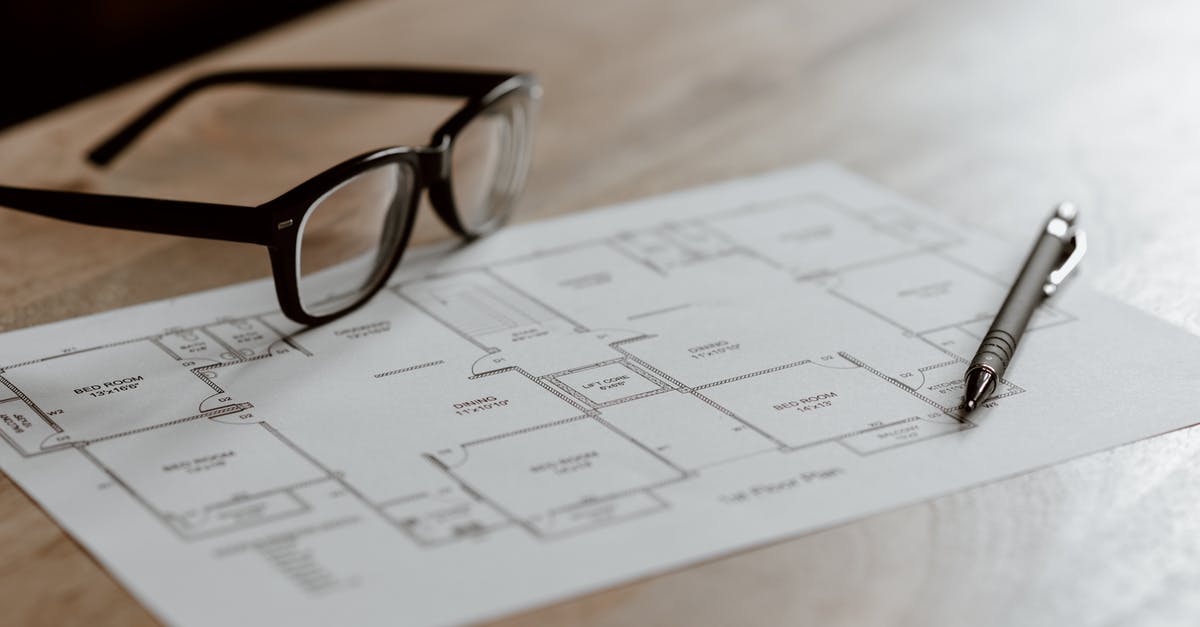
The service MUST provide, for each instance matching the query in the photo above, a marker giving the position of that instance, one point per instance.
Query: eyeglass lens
(350, 235)
(490, 160)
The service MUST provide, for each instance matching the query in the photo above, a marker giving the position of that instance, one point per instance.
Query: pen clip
(1061, 225)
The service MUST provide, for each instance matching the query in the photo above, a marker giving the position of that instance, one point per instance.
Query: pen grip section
(996, 351)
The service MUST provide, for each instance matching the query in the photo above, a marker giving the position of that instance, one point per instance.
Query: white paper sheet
(563, 406)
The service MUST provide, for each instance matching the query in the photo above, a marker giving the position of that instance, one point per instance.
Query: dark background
(54, 52)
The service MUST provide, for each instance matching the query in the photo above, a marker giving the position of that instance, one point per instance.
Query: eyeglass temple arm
(376, 80)
(232, 223)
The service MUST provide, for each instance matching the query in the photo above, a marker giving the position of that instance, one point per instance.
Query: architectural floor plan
(563, 406)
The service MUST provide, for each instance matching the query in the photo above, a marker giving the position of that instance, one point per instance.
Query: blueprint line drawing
(594, 371)
(770, 354)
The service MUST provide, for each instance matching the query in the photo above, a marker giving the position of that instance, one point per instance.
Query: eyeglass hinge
(283, 225)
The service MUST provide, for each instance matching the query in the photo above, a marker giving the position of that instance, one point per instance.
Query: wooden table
(990, 110)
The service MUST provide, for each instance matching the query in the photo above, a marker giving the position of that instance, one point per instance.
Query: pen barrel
(1026, 294)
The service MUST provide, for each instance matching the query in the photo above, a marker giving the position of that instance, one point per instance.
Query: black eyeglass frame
(276, 223)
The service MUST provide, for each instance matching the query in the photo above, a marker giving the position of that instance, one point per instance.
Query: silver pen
(1055, 254)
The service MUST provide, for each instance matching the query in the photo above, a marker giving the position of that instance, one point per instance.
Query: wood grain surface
(988, 110)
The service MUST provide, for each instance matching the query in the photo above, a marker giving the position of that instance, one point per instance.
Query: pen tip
(980, 383)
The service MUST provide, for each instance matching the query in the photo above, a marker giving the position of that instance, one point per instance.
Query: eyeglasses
(334, 239)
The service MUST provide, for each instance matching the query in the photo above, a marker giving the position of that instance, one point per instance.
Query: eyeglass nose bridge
(434, 160)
